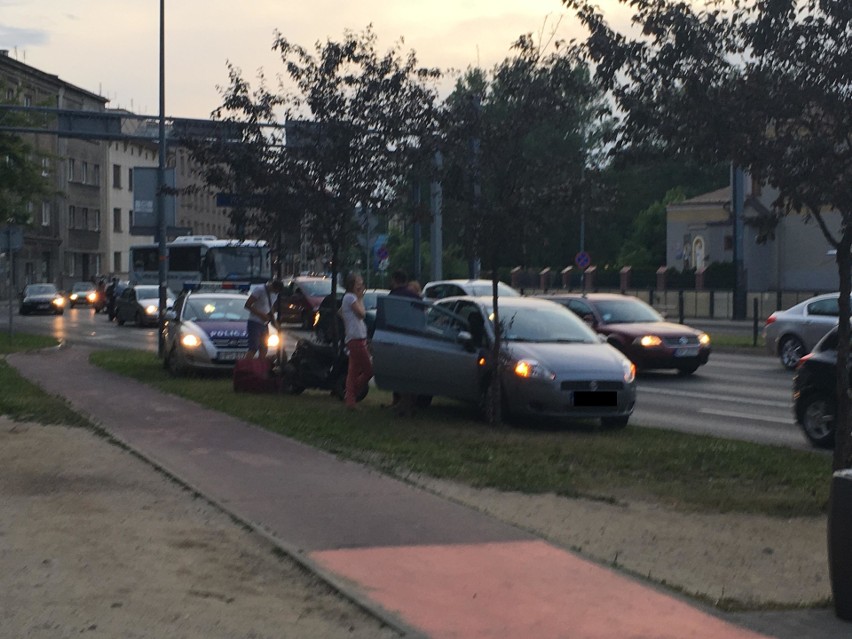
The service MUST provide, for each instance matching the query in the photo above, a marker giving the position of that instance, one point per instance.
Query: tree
(763, 84)
(517, 147)
(363, 120)
(21, 171)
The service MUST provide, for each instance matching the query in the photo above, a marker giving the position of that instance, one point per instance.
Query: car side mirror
(589, 319)
(170, 314)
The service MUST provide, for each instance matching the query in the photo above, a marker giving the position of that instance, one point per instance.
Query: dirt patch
(95, 542)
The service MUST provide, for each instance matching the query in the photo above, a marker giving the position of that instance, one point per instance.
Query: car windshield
(150, 292)
(484, 288)
(200, 308)
(41, 289)
(543, 324)
(630, 311)
(317, 288)
(82, 286)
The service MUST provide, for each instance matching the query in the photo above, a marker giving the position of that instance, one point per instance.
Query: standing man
(353, 313)
(260, 304)
(400, 285)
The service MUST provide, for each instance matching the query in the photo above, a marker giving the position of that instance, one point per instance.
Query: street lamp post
(161, 186)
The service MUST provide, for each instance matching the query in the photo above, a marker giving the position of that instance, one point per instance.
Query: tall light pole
(161, 187)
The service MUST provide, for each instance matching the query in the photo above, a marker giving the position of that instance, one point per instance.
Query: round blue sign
(583, 259)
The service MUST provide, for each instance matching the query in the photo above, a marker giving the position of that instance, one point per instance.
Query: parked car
(639, 331)
(82, 293)
(552, 364)
(792, 333)
(207, 331)
(302, 297)
(440, 289)
(140, 304)
(327, 314)
(815, 391)
(41, 298)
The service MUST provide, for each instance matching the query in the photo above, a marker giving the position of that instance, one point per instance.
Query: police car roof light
(212, 287)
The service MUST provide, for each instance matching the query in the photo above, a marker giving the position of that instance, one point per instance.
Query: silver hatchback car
(793, 333)
(552, 364)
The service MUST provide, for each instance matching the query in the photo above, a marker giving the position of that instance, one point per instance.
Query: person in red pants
(353, 313)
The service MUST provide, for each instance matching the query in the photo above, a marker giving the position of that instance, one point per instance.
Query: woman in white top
(353, 313)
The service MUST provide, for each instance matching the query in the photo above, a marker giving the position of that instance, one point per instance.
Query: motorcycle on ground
(319, 366)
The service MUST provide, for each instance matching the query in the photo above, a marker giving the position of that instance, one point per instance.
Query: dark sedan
(41, 298)
(301, 299)
(640, 332)
(140, 304)
(815, 391)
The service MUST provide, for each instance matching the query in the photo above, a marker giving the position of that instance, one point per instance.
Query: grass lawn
(449, 441)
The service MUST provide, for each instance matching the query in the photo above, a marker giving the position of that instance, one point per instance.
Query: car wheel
(817, 420)
(790, 351)
(615, 423)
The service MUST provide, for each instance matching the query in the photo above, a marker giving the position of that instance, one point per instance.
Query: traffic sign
(11, 238)
(582, 259)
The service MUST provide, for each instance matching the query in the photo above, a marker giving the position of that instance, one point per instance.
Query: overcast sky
(111, 47)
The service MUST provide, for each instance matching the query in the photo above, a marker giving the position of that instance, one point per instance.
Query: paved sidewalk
(428, 566)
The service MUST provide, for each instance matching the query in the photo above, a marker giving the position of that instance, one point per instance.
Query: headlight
(59, 301)
(704, 339)
(629, 371)
(151, 309)
(91, 297)
(316, 319)
(73, 297)
(649, 341)
(190, 341)
(273, 341)
(529, 368)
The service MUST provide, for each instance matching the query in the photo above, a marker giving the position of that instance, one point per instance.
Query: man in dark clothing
(399, 285)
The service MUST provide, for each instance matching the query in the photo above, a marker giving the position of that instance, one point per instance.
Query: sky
(111, 47)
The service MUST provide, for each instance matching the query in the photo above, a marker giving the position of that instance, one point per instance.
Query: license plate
(231, 357)
(689, 351)
(43, 306)
(595, 398)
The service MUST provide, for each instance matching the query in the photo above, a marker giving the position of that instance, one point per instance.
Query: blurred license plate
(231, 357)
(599, 398)
(689, 351)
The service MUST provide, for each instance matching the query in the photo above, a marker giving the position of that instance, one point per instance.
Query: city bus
(196, 258)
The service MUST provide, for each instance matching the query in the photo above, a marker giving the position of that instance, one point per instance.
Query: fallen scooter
(319, 366)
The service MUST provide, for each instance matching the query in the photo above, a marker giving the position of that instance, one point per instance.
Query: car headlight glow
(190, 341)
(704, 339)
(649, 341)
(151, 309)
(73, 297)
(529, 368)
(59, 301)
(273, 341)
(629, 371)
(91, 297)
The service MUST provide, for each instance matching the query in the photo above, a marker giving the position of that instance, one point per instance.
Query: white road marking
(714, 397)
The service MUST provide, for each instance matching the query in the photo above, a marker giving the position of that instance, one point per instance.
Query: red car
(639, 331)
(302, 297)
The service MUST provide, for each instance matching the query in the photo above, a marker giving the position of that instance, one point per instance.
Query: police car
(206, 329)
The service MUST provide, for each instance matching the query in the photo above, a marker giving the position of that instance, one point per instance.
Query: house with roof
(796, 257)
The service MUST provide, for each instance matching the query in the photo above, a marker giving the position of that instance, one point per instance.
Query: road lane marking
(709, 396)
(725, 413)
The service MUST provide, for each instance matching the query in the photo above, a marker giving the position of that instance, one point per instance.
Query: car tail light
(770, 319)
(803, 359)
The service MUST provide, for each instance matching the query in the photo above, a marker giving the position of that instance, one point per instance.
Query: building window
(71, 169)
(116, 176)
(45, 213)
(84, 218)
(72, 220)
(116, 261)
(96, 174)
(729, 243)
(45, 167)
(116, 220)
(96, 215)
(84, 177)
(130, 179)
(69, 264)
